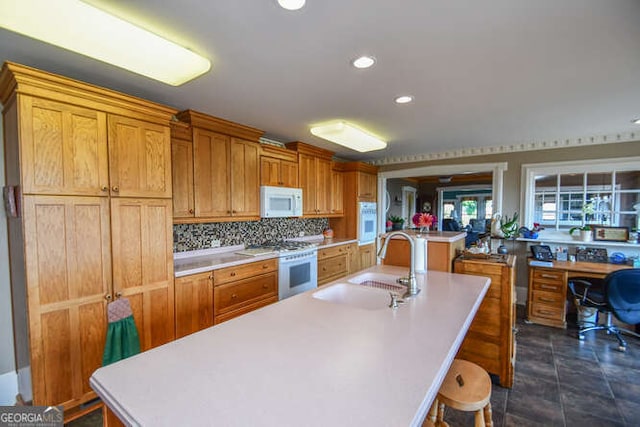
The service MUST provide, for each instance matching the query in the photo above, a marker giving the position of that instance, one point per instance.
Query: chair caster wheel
(622, 348)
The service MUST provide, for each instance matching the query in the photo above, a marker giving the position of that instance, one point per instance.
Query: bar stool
(467, 387)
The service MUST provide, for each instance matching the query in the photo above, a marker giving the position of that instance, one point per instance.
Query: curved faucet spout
(410, 281)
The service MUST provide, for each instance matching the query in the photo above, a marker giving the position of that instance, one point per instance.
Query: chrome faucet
(409, 281)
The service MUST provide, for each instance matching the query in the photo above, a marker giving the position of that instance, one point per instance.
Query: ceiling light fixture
(291, 4)
(404, 99)
(636, 121)
(84, 29)
(363, 62)
(349, 136)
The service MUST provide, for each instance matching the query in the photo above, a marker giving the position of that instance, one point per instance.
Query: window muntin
(600, 192)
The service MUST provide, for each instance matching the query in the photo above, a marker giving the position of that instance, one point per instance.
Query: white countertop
(200, 261)
(303, 362)
(434, 236)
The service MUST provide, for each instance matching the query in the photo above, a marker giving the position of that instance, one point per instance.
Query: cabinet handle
(228, 212)
(547, 300)
(324, 268)
(115, 189)
(211, 278)
(549, 276)
(234, 211)
(264, 266)
(548, 287)
(108, 297)
(234, 296)
(545, 312)
(104, 188)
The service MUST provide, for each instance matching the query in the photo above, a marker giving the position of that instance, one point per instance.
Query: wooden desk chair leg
(488, 415)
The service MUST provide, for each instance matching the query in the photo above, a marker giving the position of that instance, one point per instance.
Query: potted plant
(396, 222)
(585, 232)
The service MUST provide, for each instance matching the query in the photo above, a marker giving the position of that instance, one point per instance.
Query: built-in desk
(548, 288)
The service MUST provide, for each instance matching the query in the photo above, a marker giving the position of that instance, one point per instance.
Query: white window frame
(531, 170)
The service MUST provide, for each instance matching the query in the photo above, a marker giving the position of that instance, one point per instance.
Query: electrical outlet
(301, 234)
(215, 243)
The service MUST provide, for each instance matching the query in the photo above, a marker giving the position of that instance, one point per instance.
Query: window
(569, 194)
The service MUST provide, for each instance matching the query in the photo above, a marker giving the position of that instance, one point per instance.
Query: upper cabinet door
(245, 190)
(211, 174)
(139, 158)
(307, 171)
(182, 171)
(270, 172)
(64, 149)
(323, 185)
(289, 173)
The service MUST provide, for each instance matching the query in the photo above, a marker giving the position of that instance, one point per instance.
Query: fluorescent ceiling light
(81, 28)
(363, 62)
(349, 136)
(404, 99)
(291, 4)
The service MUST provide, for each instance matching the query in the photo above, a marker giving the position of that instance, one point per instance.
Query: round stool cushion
(467, 387)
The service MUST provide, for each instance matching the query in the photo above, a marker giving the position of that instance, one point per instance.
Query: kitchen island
(304, 361)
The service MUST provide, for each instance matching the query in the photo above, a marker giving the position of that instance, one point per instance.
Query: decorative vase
(586, 235)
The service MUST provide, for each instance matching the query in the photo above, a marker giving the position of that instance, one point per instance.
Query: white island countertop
(303, 362)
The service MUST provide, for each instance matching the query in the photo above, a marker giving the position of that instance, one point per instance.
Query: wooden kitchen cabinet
(337, 191)
(278, 167)
(94, 171)
(182, 170)
(194, 303)
(490, 341)
(354, 258)
(367, 187)
(142, 253)
(368, 256)
(244, 288)
(333, 263)
(315, 169)
(225, 169)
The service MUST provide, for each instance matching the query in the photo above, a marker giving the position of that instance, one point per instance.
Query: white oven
(280, 202)
(367, 217)
(297, 272)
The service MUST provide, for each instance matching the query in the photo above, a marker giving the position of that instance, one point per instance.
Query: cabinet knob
(115, 189)
(265, 286)
(233, 273)
(104, 188)
(264, 266)
(190, 211)
(118, 294)
(108, 297)
(234, 296)
(228, 212)
(234, 211)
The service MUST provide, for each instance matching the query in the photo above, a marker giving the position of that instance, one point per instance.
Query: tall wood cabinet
(359, 185)
(91, 169)
(226, 171)
(490, 341)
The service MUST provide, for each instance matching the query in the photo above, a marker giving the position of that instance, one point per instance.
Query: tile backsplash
(189, 237)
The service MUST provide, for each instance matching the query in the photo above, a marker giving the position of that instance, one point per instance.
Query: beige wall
(6, 329)
(512, 178)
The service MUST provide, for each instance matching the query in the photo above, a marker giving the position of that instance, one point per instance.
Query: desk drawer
(548, 276)
(547, 287)
(547, 311)
(548, 298)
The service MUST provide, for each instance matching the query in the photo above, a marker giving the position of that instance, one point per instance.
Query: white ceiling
(489, 73)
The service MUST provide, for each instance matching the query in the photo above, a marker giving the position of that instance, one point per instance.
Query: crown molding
(515, 148)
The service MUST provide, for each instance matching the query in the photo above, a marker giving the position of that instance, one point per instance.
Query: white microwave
(278, 202)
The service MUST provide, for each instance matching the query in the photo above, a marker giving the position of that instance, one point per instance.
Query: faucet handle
(394, 300)
(403, 280)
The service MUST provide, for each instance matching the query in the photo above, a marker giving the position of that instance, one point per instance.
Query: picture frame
(610, 234)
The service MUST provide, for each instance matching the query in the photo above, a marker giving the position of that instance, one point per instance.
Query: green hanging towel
(122, 334)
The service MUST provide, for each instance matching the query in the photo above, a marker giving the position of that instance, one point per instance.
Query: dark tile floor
(559, 381)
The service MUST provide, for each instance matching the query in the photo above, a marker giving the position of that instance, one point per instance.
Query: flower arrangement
(531, 233)
(423, 220)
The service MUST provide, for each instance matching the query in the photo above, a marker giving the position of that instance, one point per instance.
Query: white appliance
(279, 202)
(367, 217)
(297, 272)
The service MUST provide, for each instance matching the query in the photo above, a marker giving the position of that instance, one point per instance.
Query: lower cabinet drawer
(547, 311)
(235, 295)
(246, 308)
(331, 268)
(548, 298)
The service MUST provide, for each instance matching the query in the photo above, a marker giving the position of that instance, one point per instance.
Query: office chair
(618, 295)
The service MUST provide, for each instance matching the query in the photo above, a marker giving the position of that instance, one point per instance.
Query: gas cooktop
(281, 246)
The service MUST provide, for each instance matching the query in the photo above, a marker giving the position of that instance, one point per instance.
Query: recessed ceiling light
(348, 136)
(291, 4)
(636, 121)
(76, 26)
(404, 99)
(364, 62)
